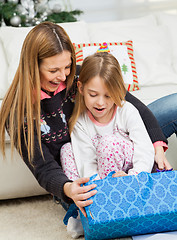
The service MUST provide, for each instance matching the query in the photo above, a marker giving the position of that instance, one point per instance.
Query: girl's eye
(92, 95)
(54, 71)
(107, 96)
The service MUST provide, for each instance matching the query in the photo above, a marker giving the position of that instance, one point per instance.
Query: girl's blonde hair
(106, 66)
(21, 105)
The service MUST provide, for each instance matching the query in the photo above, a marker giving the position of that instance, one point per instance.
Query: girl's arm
(148, 118)
(83, 149)
(153, 130)
(143, 153)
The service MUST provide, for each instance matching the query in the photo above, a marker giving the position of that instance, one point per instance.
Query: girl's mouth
(99, 109)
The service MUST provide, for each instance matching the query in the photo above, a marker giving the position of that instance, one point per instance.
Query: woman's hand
(119, 174)
(79, 194)
(160, 159)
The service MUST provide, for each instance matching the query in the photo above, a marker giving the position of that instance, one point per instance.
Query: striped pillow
(123, 51)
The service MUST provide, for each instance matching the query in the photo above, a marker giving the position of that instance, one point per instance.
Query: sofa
(154, 54)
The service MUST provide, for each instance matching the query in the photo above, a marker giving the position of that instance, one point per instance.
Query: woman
(38, 105)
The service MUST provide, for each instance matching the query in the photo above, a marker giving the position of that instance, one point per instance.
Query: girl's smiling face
(97, 99)
(54, 70)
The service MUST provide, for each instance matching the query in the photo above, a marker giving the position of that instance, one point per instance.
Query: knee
(164, 106)
(66, 147)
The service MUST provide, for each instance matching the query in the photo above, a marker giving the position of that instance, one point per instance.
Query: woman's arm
(80, 195)
(47, 170)
(51, 177)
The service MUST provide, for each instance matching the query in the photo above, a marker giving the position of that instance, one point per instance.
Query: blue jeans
(63, 204)
(165, 110)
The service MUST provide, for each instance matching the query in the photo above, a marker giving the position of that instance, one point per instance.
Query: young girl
(107, 133)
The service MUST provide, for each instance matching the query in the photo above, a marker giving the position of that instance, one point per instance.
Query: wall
(108, 10)
(96, 10)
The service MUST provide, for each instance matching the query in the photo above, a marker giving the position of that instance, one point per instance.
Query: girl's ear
(80, 87)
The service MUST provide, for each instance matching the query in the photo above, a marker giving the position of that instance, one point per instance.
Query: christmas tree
(124, 68)
(31, 12)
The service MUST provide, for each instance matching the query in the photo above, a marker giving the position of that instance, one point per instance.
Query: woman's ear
(80, 87)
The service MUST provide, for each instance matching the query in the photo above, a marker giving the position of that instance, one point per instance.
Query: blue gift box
(132, 205)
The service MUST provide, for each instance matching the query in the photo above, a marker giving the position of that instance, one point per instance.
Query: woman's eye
(68, 67)
(92, 95)
(107, 96)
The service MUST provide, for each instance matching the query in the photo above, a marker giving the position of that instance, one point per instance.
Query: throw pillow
(123, 51)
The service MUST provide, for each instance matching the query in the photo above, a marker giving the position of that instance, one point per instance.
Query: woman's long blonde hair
(21, 105)
(106, 66)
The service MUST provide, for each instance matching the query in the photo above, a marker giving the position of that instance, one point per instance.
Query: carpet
(34, 218)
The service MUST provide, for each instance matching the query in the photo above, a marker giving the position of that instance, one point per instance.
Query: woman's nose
(61, 76)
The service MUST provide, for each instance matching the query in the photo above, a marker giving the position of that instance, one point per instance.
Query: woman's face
(54, 70)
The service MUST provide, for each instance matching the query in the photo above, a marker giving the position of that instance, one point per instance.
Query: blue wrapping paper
(132, 205)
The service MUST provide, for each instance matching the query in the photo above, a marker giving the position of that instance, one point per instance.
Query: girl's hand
(79, 194)
(160, 159)
(119, 174)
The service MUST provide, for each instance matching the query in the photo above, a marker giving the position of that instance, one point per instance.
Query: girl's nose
(100, 101)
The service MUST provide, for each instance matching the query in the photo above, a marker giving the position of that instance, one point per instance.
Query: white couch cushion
(152, 50)
(149, 20)
(170, 21)
(77, 31)
(3, 72)
(149, 94)
(7, 138)
(16, 179)
(12, 39)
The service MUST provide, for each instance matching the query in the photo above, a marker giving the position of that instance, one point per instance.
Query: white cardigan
(126, 119)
